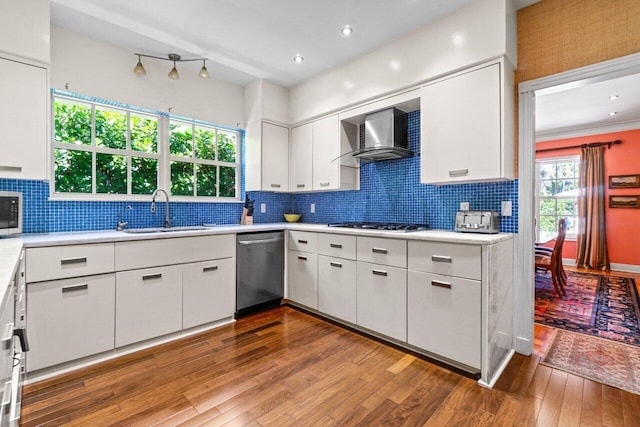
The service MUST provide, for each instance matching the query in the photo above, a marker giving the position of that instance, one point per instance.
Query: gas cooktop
(388, 226)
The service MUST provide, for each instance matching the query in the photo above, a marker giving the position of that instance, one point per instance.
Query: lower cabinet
(444, 316)
(303, 278)
(148, 303)
(337, 287)
(382, 299)
(208, 291)
(70, 319)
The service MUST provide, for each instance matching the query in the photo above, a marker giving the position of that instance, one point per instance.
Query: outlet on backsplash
(464, 206)
(313, 208)
(263, 207)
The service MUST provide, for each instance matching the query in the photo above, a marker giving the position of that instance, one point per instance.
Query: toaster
(477, 222)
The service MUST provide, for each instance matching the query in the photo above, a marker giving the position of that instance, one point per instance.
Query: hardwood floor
(284, 367)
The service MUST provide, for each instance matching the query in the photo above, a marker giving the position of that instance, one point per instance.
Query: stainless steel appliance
(388, 226)
(385, 136)
(10, 213)
(260, 271)
(477, 222)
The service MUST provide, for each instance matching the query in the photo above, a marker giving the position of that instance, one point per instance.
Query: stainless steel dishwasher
(260, 271)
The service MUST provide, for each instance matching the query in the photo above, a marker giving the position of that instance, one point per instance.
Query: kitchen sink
(163, 230)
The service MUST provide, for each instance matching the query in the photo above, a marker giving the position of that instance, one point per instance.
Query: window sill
(75, 197)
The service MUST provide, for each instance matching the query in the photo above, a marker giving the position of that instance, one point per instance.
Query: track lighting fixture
(173, 74)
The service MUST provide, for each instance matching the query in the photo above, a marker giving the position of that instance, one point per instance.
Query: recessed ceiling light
(612, 97)
(613, 113)
(346, 31)
(298, 58)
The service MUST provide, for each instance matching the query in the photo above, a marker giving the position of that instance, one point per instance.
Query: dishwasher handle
(255, 242)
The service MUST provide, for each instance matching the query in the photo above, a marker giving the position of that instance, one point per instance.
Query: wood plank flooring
(284, 367)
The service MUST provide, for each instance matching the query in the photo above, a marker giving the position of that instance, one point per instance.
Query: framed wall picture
(624, 181)
(624, 202)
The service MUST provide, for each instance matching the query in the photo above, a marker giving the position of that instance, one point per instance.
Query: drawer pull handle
(324, 184)
(152, 276)
(210, 268)
(379, 273)
(303, 258)
(336, 245)
(379, 251)
(440, 258)
(300, 185)
(441, 284)
(75, 288)
(459, 172)
(304, 242)
(68, 261)
(275, 185)
(11, 168)
(335, 264)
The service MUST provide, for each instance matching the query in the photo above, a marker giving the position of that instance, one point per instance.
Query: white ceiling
(249, 39)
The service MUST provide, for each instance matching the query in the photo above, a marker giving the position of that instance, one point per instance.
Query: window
(104, 150)
(557, 196)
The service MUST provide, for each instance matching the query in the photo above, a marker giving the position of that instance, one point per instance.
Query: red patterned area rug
(597, 359)
(602, 306)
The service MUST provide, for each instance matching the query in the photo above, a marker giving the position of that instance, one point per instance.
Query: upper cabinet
(326, 153)
(467, 126)
(301, 158)
(23, 120)
(25, 30)
(275, 157)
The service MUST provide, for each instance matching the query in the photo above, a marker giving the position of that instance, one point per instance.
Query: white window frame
(162, 155)
(538, 197)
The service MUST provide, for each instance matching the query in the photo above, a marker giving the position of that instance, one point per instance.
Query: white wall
(96, 68)
(474, 33)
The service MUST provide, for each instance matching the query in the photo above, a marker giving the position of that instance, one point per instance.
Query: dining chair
(548, 259)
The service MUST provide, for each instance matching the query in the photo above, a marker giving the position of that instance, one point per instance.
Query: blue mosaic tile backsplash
(390, 191)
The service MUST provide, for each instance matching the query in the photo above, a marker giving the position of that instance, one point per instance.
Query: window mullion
(94, 174)
(164, 167)
(129, 156)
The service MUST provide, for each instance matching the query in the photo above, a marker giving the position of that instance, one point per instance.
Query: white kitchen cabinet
(301, 158)
(69, 319)
(378, 250)
(466, 123)
(148, 303)
(59, 262)
(444, 316)
(23, 120)
(208, 291)
(337, 287)
(337, 245)
(275, 157)
(303, 241)
(382, 299)
(326, 153)
(25, 29)
(302, 278)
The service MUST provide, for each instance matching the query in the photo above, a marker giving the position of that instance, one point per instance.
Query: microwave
(10, 213)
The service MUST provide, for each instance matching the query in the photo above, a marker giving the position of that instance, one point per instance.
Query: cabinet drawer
(302, 283)
(337, 245)
(451, 259)
(337, 287)
(383, 251)
(444, 316)
(69, 319)
(303, 241)
(60, 262)
(180, 250)
(208, 291)
(382, 299)
(148, 303)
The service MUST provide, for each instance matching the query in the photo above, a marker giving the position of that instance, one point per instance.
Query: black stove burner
(389, 226)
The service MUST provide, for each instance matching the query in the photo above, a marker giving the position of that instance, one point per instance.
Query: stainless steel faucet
(167, 217)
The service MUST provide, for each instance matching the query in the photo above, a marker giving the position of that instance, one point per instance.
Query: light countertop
(10, 250)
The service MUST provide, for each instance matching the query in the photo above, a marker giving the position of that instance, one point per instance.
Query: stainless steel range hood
(385, 136)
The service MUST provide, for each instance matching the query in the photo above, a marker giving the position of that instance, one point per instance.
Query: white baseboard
(523, 346)
(627, 268)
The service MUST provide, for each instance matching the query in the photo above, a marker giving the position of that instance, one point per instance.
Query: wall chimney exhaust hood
(385, 136)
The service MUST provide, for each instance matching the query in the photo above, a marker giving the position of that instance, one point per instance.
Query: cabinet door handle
(303, 258)
(379, 272)
(11, 168)
(75, 288)
(335, 264)
(441, 284)
(152, 276)
(210, 268)
(275, 185)
(336, 245)
(324, 184)
(304, 242)
(68, 261)
(440, 258)
(379, 251)
(459, 172)
(300, 185)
